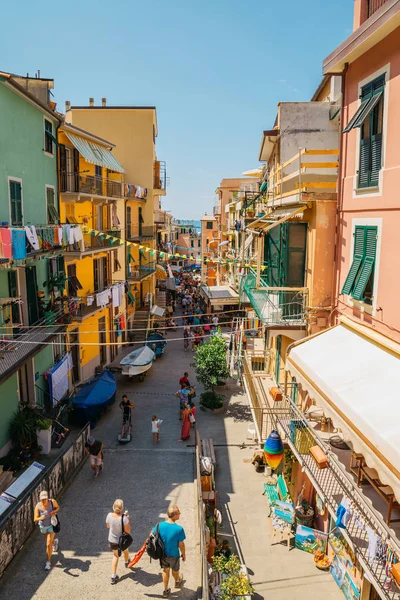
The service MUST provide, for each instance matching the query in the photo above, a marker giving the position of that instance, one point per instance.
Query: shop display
(273, 450)
(310, 540)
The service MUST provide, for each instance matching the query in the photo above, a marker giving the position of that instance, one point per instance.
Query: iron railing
(201, 526)
(160, 175)
(46, 240)
(275, 306)
(81, 183)
(141, 232)
(98, 242)
(139, 272)
(374, 5)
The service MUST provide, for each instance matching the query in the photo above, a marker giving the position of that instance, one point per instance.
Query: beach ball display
(273, 450)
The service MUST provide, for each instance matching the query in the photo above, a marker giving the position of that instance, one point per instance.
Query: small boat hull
(138, 362)
(132, 370)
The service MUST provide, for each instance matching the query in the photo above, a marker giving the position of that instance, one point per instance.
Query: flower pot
(44, 440)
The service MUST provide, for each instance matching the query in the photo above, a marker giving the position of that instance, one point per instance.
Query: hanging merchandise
(6, 246)
(343, 513)
(273, 450)
(32, 237)
(58, 378)
(18, 238)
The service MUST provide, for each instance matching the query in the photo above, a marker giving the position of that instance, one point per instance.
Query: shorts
(126, 419)
(171, 562)
(46, 530)
(113, 546)
(95, 460)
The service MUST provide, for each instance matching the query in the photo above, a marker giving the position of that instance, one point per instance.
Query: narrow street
(147, 478)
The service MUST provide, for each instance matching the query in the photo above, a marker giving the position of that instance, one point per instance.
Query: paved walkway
(148, 479)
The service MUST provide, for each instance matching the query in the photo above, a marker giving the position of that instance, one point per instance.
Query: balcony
(92, 185)
(97, 243)
(16, 347)
(161, 217)
(331, 483)
(83, 309)
(160, 178)
(140, 272)
(45, 235)
(279, 307)
(141, 232)
(373, 6)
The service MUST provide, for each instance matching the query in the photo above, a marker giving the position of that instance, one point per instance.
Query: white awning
(353, 373)
(95, 154)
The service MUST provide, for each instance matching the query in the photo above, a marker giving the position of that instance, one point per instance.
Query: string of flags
(165, 255)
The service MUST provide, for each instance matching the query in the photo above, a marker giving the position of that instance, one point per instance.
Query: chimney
(91, 101)
(104, 101)
(38, 73)
(67, 105)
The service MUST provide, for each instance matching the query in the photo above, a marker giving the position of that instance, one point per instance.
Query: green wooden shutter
(32, 295)
(96, 282)
(16, 203)
(364, 168)
(296, 254)
(272, 256)
(128, 222)
(368, 263)
(357, 260)
(376, 158)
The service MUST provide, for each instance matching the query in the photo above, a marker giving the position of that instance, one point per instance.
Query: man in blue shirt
(173, 536)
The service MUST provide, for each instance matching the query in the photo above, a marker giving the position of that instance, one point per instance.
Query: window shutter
(62, 156)
(76, 169)
(272, 256)
(105, 272)
(363, 173)
(296, 254)
(368, 264)
(376, 158)
(128, 222)
(357, 260)
(96, 274)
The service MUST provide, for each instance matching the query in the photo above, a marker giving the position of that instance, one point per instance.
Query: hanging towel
(122, 322)
(18, 237)
(60, 235)
(343, 513)
(78, 238)
(89, 300)
(65, 231)
(372, 544)
(6, 242)
(115, 296)
(32, 237)
(71, 236)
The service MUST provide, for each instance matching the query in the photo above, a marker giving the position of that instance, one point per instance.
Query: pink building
(367, 258)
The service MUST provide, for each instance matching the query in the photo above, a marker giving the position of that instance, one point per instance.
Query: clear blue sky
(215, 69)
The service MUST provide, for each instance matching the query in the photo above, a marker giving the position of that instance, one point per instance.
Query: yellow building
(134, 130)
(92, 195)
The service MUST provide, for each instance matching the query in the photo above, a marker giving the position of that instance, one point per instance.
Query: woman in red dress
(185, 431)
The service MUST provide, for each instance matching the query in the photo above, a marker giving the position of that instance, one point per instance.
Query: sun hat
(44, 495)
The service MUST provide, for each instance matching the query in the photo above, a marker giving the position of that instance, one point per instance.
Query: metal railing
(201, 526)
(98, 242)
(81, 183)
(141, 232)
(276, 306)
(160, 175)
(374, 5)
(46, 240)
(139, 272)
(16, 523)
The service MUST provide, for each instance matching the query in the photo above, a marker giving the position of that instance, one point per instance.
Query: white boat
(137, 362)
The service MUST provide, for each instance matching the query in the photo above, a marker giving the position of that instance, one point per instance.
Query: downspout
(339, 192)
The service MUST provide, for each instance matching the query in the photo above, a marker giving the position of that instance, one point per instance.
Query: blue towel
(18, 241)
(341, 511)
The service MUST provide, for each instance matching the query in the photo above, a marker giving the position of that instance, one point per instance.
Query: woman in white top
(114, 524)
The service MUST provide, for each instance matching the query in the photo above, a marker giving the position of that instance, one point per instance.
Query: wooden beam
(318, 152)
(320, 165)
(331, 185)
(282, 289)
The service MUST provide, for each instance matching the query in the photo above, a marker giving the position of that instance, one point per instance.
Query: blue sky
(215, 69)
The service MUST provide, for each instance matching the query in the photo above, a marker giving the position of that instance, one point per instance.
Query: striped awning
(161, 273)
(95, 154)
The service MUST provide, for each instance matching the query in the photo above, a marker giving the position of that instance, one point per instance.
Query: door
(278, 358)
(23, 385)
(140, 220)
(102, 341)
(32, 295)
(75, 354)
(13, 293)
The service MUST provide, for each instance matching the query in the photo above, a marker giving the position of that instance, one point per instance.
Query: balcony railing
(80, 183)
(161, 218)
(331, 483)
(277, 306)
(98, 242)
(18, 346)
(139, 272)
(374, 5)
(160, 175)
(141, 232)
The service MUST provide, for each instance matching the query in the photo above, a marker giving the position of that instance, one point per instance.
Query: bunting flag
(163, 254)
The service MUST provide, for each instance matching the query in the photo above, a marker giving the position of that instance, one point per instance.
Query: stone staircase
(138, 333)
(161, 298)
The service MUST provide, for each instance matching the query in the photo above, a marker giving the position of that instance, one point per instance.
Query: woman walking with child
(186, 424)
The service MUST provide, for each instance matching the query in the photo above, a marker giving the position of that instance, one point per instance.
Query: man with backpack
(166, 543)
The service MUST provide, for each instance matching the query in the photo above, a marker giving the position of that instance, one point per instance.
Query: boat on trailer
(138, 362)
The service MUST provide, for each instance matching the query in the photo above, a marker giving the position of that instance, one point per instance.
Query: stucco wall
(23, 157)
(381, 205)
(8, 406)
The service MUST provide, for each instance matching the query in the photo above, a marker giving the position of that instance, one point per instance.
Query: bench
(207, 449)
(276, 492)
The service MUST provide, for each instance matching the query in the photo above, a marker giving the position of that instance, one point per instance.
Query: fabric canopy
(253, 172)
(161, 273)
(354, 375)
(95, 154)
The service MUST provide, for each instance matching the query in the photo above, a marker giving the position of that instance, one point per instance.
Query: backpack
(125, 539)
(155, 545)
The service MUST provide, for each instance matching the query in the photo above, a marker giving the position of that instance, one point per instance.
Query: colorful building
(210, 238)
(31, 274)
(92, 195)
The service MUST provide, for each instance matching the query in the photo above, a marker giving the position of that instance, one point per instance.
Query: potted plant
(23, 428)
(211, 368)
(44, 434)
(212, 401)
(234, 582)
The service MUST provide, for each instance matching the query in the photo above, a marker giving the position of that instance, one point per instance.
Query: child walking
(192, 416)
(155, 429)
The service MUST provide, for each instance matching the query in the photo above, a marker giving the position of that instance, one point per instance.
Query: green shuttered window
(360, 278)
(371, 127)
(16, 203)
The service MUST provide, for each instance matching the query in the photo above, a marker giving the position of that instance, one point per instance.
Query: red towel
(6, 242)
(137, 556)
(122, 322)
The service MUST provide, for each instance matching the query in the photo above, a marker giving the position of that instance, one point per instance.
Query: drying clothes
(6, 242)
(18, 238)
(372, 544)
(78, 238)
(343, 513)
(65, 233)
(122, 322)
(358, 521)
(32, 237)
(89, 300)
(59, 236)
(115, 296)
(114, 217)
(71, 236)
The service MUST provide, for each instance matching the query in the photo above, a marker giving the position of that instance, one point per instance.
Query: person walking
(94, 448)
(114, 524)
(184, 381)
(126, 407)
(155, 429)
(186, 424)
(215, 322)
(44, 511)
(186, 335)
(173, 537)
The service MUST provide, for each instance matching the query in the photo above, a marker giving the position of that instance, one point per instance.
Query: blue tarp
(156, 342)
(94, 397)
